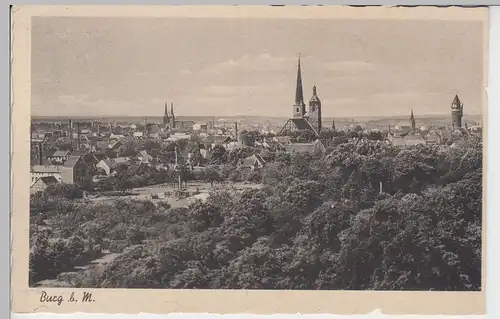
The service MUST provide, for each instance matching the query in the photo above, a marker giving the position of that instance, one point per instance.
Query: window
(297, 110)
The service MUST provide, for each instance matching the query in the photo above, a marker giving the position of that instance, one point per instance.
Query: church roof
(302, 124)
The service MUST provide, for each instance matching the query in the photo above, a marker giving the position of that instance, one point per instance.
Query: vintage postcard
(248, 159)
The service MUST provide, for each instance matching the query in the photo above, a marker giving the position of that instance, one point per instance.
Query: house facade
(42, 183)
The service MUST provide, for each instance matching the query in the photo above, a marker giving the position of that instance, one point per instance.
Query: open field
(166, 193)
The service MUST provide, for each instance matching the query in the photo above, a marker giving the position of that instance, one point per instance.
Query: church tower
(166, 118)
(315, 111)
(412, 120)
(299, 108)
(172, 114)
(457, 108)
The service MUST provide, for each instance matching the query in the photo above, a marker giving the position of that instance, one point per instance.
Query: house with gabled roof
(75, 170)
(107, 165)
(59, 157)
(41, 183)
(211, 141)
(253, 162)
(38, 171)
(115, 146)
(301, 148)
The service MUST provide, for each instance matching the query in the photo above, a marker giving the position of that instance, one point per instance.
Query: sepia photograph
(240, 152)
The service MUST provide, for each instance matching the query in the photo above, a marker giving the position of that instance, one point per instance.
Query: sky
(89, 66)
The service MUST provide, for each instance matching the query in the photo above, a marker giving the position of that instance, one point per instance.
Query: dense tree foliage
(367, 216)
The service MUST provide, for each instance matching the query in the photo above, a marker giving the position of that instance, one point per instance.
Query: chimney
(236, 130)
(78, 134)
(70, 133)
(381, 190)
(40, 154)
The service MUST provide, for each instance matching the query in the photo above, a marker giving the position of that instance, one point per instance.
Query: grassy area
(166, 192)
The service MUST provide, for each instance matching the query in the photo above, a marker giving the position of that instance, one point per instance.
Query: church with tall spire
(412, 120)
(303, 119)
(169, 119)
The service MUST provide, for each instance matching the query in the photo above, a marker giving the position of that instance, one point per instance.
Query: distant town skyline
(247, 67)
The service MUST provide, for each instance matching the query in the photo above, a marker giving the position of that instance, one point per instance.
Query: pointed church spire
(166, 118)
(299, 95)
(412, 119)
(172, 113)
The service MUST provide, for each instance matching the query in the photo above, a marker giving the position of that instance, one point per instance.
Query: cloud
(349, 66)
(340, 101)
(262, 62)
(81, 105)
(403, 95)
(241, 90)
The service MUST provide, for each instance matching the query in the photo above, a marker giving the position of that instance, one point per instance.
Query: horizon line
(247, 115)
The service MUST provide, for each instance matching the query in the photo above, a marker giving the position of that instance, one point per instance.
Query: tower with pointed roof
(412, 120)
(166, 118)
(172, 114)
(457, 108)
(314, 113)
(299, 108)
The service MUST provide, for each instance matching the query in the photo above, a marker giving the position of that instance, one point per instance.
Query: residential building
(41, 183)
(38, 171)
(75, 170)
(59, 157)
(211, 141)
(106, 165)
(253, 162)
(200, 126)
(314, 147)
